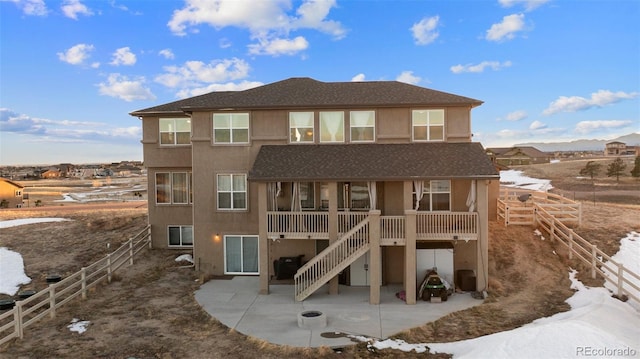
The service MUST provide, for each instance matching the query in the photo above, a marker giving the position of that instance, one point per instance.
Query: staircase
(331, 261)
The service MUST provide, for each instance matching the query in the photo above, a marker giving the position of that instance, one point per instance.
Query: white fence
(621, 277)
(45, 302)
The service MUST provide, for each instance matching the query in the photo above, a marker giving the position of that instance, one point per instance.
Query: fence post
(620, 279)
(83, 278)
(108, 267)
(52, 300)
(131, 251)
(552, 230)
(149, 237)
(506, 215)
(17, 319)
(571, 244)
(593, 261)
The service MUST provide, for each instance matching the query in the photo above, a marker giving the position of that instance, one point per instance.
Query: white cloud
(71, 9)
(122, 87)
(529, 5)
(515, 116)
(267, 21)
(584, 127)
(408, 77)
(577, 103)
(31, 7)
(63, 131)
(123, 56)
(77, 54)
(229, 86)
(507, 28)
(358, 78)
(425, 31)
(494, 65)
(167, 54)
(537, 125)
(278, 47)
(199, 74)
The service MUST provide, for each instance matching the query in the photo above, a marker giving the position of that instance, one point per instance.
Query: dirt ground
(149, 310)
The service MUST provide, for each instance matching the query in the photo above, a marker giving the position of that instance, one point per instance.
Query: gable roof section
(368, 162)
(528, 151)
(304, 92)
(11, 183)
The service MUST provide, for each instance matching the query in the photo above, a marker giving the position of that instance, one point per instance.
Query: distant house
(11, 194)
(617, 148)
(51, 173)
(514, 156)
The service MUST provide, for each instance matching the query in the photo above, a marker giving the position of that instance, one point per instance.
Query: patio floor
(274, 317)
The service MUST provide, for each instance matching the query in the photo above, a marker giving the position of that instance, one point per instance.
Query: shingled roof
(365, 162)
(306, 92)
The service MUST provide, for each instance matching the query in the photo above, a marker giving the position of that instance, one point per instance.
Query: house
(359, 183)
(51, 173)
(11, 194)
(514, 156)
(617, 148)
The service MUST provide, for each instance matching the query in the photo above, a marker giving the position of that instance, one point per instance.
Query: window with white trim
(436, 196)
(363, 126)
(175, 131)
(428, 125)
(174, 188)
(231, 128)
(241, 254)
(180, 236)
(331, 126)
(301, 127)
(232, 191)
(307, 195)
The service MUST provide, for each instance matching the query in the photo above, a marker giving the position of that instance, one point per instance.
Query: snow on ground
(185, 258)
(23, 221)
(514, 178)
(596, 326)
(78, 326)
(12, 274)
(629, 257)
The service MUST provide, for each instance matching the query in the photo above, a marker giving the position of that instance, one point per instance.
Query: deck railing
(45, 302)
(447, 225)
(430, 225)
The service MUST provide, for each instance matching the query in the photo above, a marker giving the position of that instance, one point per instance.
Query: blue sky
(71, 71)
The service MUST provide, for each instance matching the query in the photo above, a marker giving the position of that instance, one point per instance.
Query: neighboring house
(52, 173)
(372, 182)
(514, 156)
(617, 148)
(11, 194)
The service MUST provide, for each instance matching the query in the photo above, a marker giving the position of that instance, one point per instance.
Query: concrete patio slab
(273, 317)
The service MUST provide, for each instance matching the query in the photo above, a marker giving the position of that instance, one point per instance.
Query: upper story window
(175, 131)
(173, 188)
(435, 196)
(18, 193)
(332, 126)
(363, 126)
(301, 127)
(231, 128)
(428, 125)
(232, 191)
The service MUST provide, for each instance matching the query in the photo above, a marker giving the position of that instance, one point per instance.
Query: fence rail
(600, 263)
(518, 206)
(45, 302)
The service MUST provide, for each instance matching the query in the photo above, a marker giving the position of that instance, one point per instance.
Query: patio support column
(410, 255)
(263, 244)
(482, 249)
(333, 227)
(375, 257)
